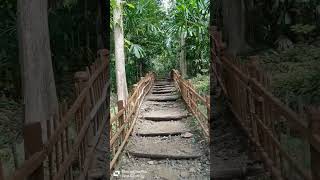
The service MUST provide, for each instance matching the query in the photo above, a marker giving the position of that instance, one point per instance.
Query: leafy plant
(201, 83)
(303, 29)
(295, 74)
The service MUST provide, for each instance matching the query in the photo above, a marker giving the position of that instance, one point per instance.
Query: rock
(187, 135)
(192, 170)
(184, 174)
(164, 138)
(150, 162)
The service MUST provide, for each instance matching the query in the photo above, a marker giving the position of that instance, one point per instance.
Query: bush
(202, 84)
(295, 74)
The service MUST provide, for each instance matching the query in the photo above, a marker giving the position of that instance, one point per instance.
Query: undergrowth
(201, 84)
(295, 74)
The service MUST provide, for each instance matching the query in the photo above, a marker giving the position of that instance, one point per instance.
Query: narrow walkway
(231, 153)
(165, 143)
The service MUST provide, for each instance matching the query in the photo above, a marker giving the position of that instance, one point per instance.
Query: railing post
(121, 118)
(134, 88)
(1, 171)
(208, 107)
(314, 125)
(32, 135)
(81, 81)
(191, 96)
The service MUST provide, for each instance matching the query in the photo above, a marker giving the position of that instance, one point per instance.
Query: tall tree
(189, 22)
(122, 90)
(234, 25)
(183, 55)
(39, 90)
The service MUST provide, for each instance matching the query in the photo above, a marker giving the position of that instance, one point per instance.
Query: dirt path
(231, 155)
(165, 143)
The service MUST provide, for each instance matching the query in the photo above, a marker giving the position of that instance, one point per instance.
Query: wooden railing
(288, 143)
(73, 135)
(123, 122)
(198, 105)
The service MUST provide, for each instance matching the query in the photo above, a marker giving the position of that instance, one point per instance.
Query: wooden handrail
(192, 101)
(58, 135)
(260, 113)
(130, 109)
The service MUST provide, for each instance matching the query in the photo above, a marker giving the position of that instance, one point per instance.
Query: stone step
(163, 92)
(162, 128)
(164, 107)
(163, 81)
(157, 148)
(164, 89)
(167, 94)
(160, 104)
(163, 98)
(163, 85)
(165, 115)
(172, 154)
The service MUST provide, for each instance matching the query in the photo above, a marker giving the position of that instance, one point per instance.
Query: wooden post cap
(81, 76)
(103, 52)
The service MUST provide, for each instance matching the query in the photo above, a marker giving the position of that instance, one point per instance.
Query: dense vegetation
(73, 41)
(295, 74)
(294, 65)
(152, 31)
(285, 34)
(71, 51)
(294, 28)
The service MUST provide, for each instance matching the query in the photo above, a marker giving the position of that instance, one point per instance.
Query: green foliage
(143, 38)
(295, 74)
(202, 84)
(137, 50)
(69, 3)
(70, 53)
(68, 28)
(11, 121)
(9, 61)
(68, 45)
(275, 18)
(191, 18)
(303, 29)
(152, 35)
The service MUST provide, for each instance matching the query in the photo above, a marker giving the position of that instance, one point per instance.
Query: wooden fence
(123, 122)
(288, 144)
(198, 105)
(72, 136)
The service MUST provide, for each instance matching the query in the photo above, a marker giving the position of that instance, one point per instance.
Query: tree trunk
(39, 90)
(102, 25)
(86, 30)
(234, 25)
(98, 27)
(183, 61)
(251, 21)
(122, 90)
